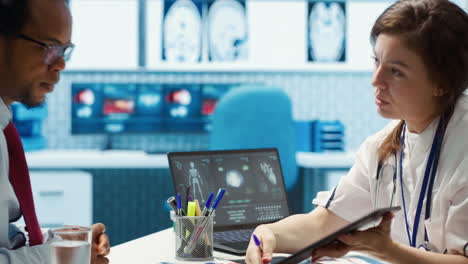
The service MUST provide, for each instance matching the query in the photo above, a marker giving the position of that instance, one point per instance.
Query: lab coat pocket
(435, 229)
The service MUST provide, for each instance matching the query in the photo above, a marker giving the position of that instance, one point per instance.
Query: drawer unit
(62, 197)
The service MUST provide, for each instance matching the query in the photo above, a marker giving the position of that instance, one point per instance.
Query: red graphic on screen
(119, 106)
(182, 97)
(208, 106)
(84, 97)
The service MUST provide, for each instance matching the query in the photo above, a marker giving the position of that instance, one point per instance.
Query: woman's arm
(292, 234)
(296, 232)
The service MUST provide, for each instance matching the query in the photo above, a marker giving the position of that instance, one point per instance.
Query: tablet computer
(363, 221)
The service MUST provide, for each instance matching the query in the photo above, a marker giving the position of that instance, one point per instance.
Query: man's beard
(28, 99)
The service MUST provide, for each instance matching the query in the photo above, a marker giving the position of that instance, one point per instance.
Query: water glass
(70, 245)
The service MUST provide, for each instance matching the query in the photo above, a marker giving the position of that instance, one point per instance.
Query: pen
(187, 194)
(217, 200)
(171, 201)
(208, 203)
(179, 205)
(257, 242)
(192, 243)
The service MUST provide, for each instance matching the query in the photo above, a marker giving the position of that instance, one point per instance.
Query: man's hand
(101, 244)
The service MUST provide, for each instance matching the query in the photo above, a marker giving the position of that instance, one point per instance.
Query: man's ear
(439, 91)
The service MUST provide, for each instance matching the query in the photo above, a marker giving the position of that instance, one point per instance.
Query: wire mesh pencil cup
(194, 237)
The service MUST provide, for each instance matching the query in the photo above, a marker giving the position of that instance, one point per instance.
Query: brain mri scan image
(227, 31)
(326, 31)
(182, 27)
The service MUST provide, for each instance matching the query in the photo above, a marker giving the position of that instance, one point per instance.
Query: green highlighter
(191, 209)
(190, 212)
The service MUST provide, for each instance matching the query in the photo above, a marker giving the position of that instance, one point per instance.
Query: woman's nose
(378, 78)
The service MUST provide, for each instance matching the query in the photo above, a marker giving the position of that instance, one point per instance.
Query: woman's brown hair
(437, 30)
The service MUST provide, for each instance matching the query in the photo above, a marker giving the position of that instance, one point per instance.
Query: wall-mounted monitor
(143, 108)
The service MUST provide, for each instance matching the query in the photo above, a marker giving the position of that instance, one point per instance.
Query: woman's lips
(379, 101)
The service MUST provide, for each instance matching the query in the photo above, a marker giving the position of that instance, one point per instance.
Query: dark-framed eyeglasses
(52, 51)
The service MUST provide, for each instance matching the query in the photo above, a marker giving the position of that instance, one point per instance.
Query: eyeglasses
(52, 52)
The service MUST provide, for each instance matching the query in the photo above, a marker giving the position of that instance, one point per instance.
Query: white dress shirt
(358, 192)
(10, 210)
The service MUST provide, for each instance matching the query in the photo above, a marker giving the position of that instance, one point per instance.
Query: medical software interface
(253, 181)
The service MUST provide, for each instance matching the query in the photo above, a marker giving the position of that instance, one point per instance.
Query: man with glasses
(34, 46)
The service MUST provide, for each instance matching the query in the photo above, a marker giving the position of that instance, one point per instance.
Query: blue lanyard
(429, 176)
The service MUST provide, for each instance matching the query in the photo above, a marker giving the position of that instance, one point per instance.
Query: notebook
(255, 191)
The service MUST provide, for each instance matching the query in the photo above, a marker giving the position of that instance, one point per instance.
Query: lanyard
(427, 185)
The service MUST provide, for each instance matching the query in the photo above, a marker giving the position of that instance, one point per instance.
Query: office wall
(315, 95)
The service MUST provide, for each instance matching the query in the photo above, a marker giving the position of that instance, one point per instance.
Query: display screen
(138, 108)
(253, 180)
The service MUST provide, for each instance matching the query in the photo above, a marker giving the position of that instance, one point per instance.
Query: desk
(159, 247)
(152, 249)
(64, 159)
(140, 173)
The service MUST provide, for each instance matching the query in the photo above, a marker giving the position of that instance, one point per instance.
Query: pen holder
(194, 237)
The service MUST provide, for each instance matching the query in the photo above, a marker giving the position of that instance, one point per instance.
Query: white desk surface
(151, 249)
(159, 247)
(76, 159)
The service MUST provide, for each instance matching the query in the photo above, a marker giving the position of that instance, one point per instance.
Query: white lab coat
(9, 210)
(447, 228)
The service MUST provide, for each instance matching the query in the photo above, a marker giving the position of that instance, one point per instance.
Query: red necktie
(19, 178)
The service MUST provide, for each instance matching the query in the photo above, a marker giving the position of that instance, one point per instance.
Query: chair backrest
(257, 117)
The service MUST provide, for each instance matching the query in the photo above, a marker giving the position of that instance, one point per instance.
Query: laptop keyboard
(233, 235)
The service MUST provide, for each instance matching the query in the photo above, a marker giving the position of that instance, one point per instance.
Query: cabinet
(62, 197)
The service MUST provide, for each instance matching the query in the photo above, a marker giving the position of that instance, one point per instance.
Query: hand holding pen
(257, 242)
(261, 246)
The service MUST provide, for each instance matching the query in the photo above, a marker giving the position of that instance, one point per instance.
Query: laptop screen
(253, 179)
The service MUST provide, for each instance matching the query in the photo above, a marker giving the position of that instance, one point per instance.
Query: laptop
(255, 191)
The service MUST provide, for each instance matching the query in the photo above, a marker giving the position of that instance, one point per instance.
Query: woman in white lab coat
(418, 162)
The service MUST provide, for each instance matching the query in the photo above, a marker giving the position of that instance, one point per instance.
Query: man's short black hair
(13, 16)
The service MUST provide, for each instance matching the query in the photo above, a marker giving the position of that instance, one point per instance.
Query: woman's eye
(396, 72)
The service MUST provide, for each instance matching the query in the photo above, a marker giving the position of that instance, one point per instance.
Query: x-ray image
(268, 177)
(227, 30)
(182, 31)
(234, 178)
(326, 31)
(194, 173)
(195, 181)
(268, 172)
(236, 175)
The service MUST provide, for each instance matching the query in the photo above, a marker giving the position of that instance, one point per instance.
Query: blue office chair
(257, 117)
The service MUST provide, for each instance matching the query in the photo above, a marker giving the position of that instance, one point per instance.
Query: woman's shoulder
(459, 121)
(377, 138)
(370, 146)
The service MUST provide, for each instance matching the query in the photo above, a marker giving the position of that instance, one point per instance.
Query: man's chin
(33, 102)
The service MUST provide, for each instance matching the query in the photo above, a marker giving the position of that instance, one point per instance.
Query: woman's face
(403, 87)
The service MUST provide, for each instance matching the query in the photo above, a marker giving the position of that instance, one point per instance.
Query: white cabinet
(62, 197)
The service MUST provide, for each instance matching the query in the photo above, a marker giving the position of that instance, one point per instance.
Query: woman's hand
(373, 241)
(101, 244)
(257, 255)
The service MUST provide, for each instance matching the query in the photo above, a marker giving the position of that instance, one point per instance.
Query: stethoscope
(427, 185)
